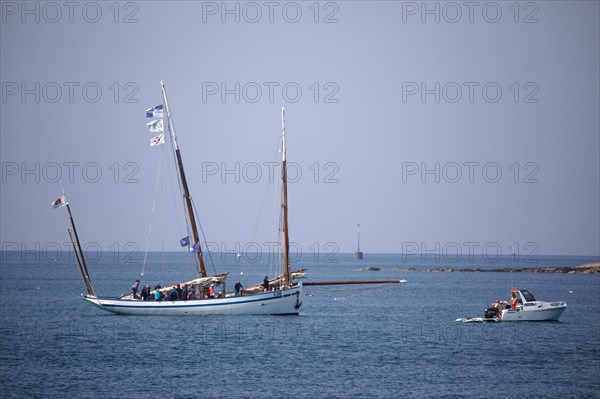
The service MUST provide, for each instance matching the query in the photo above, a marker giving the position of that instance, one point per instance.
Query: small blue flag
(155, 112)
(196, 248)
(185, 241)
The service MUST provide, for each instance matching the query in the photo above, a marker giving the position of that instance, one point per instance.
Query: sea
(353, 341)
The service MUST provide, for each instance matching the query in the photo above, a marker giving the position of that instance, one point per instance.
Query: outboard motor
(491, 313)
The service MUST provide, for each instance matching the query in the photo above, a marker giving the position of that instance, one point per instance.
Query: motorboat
(526, 308)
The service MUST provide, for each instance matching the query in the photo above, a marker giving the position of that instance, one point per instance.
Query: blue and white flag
(185, 241)
(160, 139)
(155, 112)
(155, 126)
(196, 248)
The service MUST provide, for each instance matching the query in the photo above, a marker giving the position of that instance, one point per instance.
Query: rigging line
(174, 199)
(180, 187)
(158, 180)
(162, 216)
(261, 209)
(277, 221)
(280, 227)
(183, 204)
(263, 201)
(203, 236)
(162, 242)
(179, 183)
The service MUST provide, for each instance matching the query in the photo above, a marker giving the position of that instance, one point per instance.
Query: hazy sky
(438, 123)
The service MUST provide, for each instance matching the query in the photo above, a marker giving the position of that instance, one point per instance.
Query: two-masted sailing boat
(279, 296)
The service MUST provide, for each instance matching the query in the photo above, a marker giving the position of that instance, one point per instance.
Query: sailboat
(279, 296)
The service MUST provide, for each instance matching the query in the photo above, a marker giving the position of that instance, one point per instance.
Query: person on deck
(173, 294)
(238, 288)
(184, 293)
(157, 295)
(513, 300)
(146, 292)
(211, 291)
(134, 288)
(157, 286)
(266, 284)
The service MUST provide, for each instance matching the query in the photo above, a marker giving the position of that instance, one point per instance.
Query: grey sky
(366, 130)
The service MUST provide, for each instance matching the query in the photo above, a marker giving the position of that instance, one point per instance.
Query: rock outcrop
(588, 268)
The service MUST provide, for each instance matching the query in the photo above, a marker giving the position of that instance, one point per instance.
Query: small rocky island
(588, 268)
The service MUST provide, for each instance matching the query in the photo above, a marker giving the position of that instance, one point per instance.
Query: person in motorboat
(498, 307)
(493, 311)
(513, 299)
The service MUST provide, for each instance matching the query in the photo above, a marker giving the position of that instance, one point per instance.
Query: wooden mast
(184, 185)
(284, 205)
(80, 257)
(77, 258)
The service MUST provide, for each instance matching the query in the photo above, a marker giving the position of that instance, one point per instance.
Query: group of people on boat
(179, 293)
(498, 307)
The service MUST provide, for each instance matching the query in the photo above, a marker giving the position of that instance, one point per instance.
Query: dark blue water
(349, 341)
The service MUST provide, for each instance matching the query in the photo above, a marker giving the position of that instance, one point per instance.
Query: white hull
(279, 302)
(540, 311)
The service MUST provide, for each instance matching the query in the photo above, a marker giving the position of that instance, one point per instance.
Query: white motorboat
(527, 308)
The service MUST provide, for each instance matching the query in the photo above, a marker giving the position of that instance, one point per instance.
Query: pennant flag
(160, 139)
(60, 201)
(155, 126)
(155, 112)
(185, 241)
(196, 248)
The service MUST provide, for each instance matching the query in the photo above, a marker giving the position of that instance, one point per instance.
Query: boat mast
(184, 185)
(79, 255)
(77, 258)
(286, 239)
